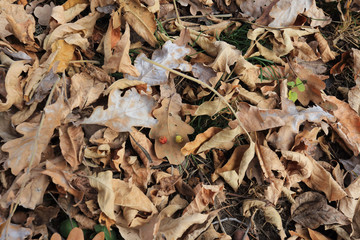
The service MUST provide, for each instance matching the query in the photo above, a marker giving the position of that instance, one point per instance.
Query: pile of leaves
(188, 119)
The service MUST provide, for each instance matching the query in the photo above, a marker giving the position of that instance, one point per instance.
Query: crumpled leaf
(311, 210)
(35, 139)
(347, 125)
(103, 182)
(71, 142)
(170, 125)
(13, 86)
(130, 197)
(120, 60)
(289, 119)
(283, 13)
(197, 6)
(348, 204)
(305, 168)
(171, 55)
(274, 172)
(124, 112)
(226, 56)
(205, 195)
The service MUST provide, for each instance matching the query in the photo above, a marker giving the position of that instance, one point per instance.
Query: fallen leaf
(103, 182)
(226, 56)
(271, 215)
(71, 143)
(311, 211)
(14, 231)
(140, 19)
(305, 168)
(120, 60)
(170, 125)
(76, 234)
(205, 195)
(171, 55)
(193, 146)
(35, 139)
(124, 112)
(347, 125)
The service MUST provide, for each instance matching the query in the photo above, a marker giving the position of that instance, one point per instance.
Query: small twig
(221, 226)
(85, 61)
(177, 12)
(197, 16)
(65, 211)
(229, 219)
(142, 149)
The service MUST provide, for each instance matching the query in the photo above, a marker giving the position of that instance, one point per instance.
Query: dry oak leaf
(103, 182)
(348, 204)
(120, 60)
(14, 93)
(304, 168)
(311, 211)
(124, 112)
(325, 51)
(289, 119)
(171, 55)
(170, 125)
(140, 19)
(347, 125)
(203, 6)
(36, 138)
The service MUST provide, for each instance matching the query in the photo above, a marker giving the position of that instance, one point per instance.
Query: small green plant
(293, 96)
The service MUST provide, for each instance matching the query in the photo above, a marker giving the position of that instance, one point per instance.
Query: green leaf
(300, 85)
(291, 84)
(293, 96)
(66, 227)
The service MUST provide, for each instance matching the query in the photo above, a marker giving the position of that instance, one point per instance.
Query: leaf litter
(146, 120)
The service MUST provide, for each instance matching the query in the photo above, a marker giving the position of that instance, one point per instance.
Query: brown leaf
(106, 196)
(140, 19)
(76, 234)
(192, 147)
(99, 236)
(348, 124)
(311, 211)
(226, 56)
(35, 139)
(205, 195)
(71, 143)
(14, 231)
(170, 125)
(120, 60)
(326, 54)
(273, 170)
(14, 94)
(305, 168)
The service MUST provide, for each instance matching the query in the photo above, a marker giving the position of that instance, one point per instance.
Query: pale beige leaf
(171, 55)
(15, 231)
(103, 182)
(226, 56)
(248, 73)
(35, 139)
(210, 108)
(124, 112)
(76, 234)
(170, 125)
(348, 204)
(121, 84)
(325, 51)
